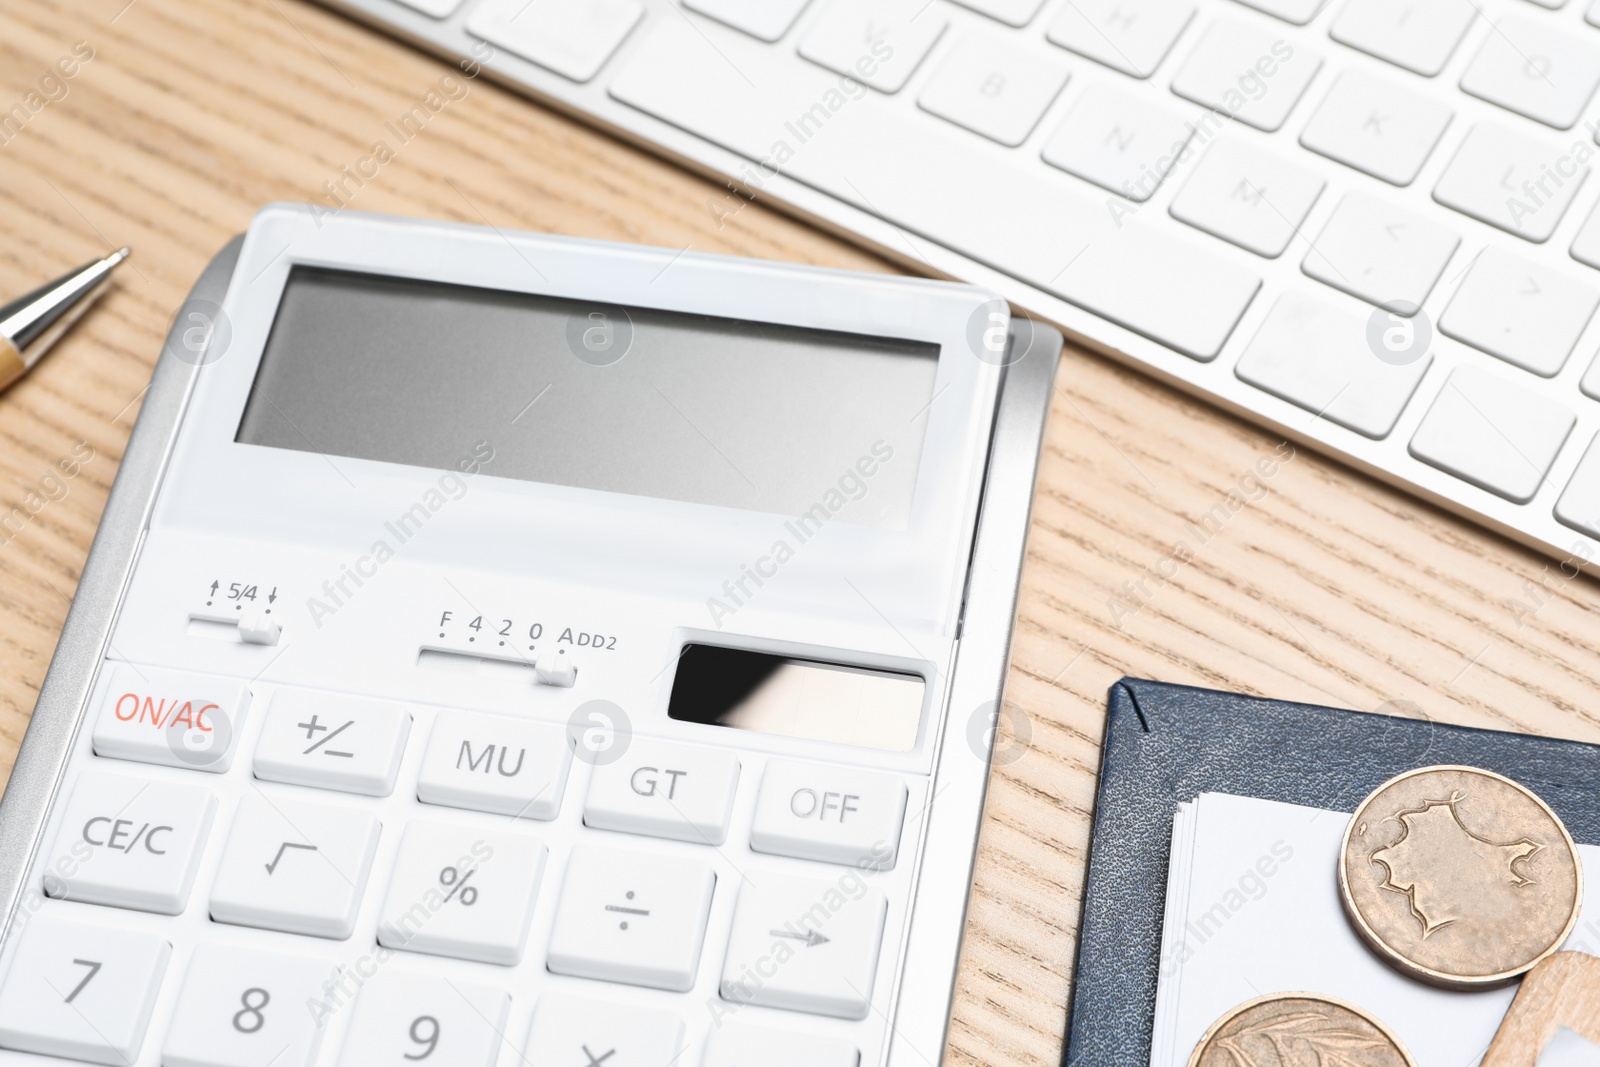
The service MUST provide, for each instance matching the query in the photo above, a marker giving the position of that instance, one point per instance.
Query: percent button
(462, 891)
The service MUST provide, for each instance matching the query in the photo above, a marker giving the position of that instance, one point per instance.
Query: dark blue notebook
(1167, 743)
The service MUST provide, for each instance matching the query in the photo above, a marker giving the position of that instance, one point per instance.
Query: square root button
(832, 814)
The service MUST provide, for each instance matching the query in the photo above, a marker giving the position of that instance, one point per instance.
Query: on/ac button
(832, 814)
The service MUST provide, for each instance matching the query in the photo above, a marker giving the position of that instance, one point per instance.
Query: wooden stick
(1564, 990)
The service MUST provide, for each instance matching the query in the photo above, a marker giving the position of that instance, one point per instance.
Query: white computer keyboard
(1364, 223)
(595, 886)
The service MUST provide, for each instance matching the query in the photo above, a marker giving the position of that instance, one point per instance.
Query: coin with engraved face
(1459, 876)
(1298, 1030)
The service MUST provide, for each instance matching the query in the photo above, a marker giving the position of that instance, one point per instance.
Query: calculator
(510, 649)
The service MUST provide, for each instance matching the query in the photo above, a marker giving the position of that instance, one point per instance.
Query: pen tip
(119, 255)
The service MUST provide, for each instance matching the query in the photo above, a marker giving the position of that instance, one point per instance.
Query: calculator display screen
(631, 400)
(773, 694)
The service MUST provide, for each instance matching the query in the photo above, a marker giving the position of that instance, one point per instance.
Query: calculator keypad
(81, 990)
(130, 843)
(495, 764)
(172, 718)
(242, 1007)
(632, 917)
(329, 741)
(406, 1018)
(580, 1031)
(461, 891)
(832, 814)
(805, 945)
(663, 789)
(294, 866)
(659, 873)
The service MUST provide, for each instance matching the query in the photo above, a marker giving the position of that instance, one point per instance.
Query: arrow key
(805, 945)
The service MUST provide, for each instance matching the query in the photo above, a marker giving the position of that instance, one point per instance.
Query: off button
(833, 814)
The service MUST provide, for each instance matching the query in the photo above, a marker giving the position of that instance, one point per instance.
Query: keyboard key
(497, 764)
(832, 814)
(805, 945)
(1419, 35)
(242, 1007)
(1586, 248)
(1579, 506)
(332, 741)
(1132, 36)
(1298, 12)
(1377, 127)
(1255, 199)
(574, 38)
(405, 1018)
(461, 891)
(993, 88)
(668, 790)
(738, 1045)
(1320, 358)
(765, 20)
(1492, 433)
(1119, 141)
(1381, 253)
(1012, 12)
(1129, 272)
(80, 990)
(1247, 72)
(1521, 311)
(879, 42)
(1539, 70)
(130, 842)
(569, 1030)
(296, 867)
(171, 718)
(632, 917)
(1519, 184)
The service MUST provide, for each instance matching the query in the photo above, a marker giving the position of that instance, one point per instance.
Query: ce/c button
(833, 814)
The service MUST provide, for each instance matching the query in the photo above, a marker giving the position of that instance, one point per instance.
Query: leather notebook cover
(1169, 743)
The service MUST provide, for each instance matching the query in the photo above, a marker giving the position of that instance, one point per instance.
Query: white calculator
(504, 649)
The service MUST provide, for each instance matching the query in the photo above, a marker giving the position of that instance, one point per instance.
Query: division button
(130, 843)
(833, 814)
(632, 917)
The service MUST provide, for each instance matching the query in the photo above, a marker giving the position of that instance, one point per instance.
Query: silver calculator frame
(994, 572)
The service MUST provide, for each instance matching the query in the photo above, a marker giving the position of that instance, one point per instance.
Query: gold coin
(1298, 1030)
(1459, 876)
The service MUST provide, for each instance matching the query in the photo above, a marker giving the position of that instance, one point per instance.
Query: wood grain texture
(1562, 991)
(1323, 586)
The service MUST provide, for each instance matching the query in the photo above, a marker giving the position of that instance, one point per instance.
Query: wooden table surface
(1327, 587)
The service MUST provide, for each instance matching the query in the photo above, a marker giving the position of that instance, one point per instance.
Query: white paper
(1568, 1048)
(1253, 908)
